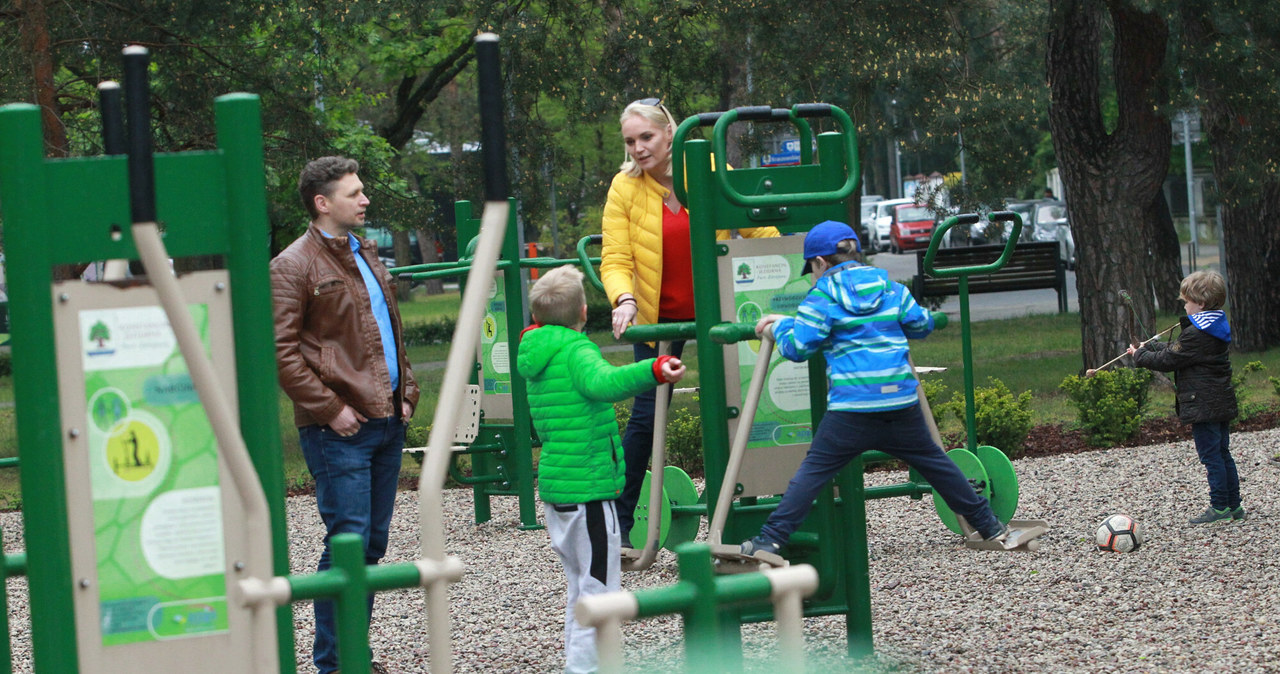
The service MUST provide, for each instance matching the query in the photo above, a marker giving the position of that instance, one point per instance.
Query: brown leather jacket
(328, 349)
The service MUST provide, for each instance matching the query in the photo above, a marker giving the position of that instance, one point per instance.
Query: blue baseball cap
(824, 239)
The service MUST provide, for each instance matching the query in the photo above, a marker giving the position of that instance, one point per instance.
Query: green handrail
(719, 147)
(971, 219)
(710, 119)
(585, 260)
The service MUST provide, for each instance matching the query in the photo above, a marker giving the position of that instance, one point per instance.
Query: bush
(935, 391)
(1244, 399)
(1000, 419)
(439, 331)
(1110, 403)
(684, 435)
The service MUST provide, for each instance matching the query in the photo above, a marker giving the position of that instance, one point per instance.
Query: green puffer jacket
(572, 389)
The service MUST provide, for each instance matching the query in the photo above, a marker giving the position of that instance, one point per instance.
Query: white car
(877, 225)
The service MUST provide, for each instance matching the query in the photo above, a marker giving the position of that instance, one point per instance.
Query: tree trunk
(35, 44)
(1113, 176)
(1250, 247)
(1166, 256)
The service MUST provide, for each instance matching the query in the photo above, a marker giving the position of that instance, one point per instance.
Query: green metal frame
(44, 228)
(962, 291)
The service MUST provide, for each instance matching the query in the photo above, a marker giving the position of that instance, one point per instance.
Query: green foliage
(684, 434)
(1000, 419)
(1110, 403)
(935, 392)
(1247, 406)
(6, 364)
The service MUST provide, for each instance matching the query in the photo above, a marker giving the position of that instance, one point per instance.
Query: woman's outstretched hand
(623, 315)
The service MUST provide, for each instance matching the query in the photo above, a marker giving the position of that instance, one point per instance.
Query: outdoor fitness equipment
(148, 531)
(987, 468)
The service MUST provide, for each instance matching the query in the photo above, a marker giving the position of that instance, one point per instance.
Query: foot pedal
(1024, 536)
(631, 554)
(729, 559)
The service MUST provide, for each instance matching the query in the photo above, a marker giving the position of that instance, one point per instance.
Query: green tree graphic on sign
(100, 333)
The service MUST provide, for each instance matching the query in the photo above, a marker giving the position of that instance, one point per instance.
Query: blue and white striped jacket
(860, 321)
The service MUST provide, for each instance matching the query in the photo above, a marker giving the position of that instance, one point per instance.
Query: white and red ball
(1119, 533)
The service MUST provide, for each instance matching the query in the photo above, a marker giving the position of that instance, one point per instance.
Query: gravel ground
(1192, 599)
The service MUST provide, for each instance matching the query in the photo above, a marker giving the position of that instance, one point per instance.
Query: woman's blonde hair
(557, 298)
(658, 115)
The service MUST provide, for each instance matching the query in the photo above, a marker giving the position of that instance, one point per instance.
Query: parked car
(881, 220)
(386, 249)
(1050, 224)
(910, 227)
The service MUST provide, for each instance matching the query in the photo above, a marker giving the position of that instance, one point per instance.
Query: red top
(675, 300)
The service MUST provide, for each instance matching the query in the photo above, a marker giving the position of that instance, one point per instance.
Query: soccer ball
(1119, 533)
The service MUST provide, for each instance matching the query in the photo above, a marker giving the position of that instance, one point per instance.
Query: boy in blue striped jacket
(860, 321)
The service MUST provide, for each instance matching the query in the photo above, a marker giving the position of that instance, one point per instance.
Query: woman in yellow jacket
(646, 265)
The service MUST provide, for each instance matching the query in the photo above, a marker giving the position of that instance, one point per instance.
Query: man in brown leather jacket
(341, 359)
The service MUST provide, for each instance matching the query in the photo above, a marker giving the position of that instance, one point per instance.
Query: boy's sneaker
(1213, 515)
(999, 535)
(1239, 513)
(759, 544)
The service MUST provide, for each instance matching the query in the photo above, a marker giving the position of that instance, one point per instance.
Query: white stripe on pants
(586, 537)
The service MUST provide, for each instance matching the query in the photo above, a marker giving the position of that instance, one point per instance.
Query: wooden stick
(1113, 361)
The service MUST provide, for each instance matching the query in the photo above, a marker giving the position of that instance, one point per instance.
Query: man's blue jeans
(1213, 442)
(637, 442)
(356, 480)
(902, 433)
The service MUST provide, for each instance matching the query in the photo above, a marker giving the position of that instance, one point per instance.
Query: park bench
(1032, 266)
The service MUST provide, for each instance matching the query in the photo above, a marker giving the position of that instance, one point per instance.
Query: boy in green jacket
(571, 390)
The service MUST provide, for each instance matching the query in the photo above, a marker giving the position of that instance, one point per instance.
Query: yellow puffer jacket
(631, 258)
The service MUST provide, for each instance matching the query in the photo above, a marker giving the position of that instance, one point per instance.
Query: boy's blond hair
(557, 298)
(1206, 288)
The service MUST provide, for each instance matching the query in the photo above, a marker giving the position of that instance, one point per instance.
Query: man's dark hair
(318, 177)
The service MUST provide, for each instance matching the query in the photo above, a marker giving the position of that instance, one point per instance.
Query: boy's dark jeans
(902, 433)
(637, 443)
(1213, 446)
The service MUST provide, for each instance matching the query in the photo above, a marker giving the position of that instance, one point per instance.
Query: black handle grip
(708, 118)
(755, 113)
(812, 109)
(142, 173)
(967, 219)
(109, 106)
(595, 238)
(1002, 216)
(493, 138)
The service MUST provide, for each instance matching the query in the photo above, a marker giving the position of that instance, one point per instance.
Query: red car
(912, 226)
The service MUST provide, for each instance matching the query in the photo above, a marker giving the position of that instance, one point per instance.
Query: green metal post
(966, 349)
(352, 604)
(514, 286)
(857, 565)
(702, 646)
(23, 192)
(706, 298)
(239, 126)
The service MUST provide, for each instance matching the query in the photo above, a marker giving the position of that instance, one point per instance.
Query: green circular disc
(680, 489)
(1003, 482)
(973, 470)
(640, 528)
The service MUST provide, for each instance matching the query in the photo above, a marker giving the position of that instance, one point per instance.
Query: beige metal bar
(233, 452)
(749, 406)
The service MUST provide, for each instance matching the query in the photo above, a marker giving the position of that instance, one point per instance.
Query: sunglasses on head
(652, 102)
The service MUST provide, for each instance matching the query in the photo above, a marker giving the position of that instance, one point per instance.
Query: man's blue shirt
(381, 313)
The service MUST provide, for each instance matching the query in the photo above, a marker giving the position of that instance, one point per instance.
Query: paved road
(1013, 304)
